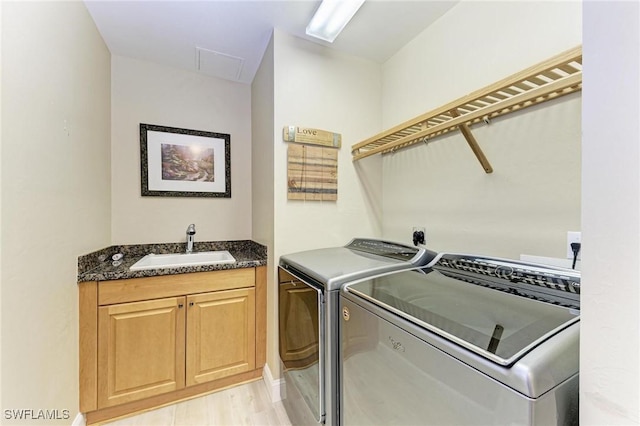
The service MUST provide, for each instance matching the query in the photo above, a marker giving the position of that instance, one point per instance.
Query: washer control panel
(513, 275)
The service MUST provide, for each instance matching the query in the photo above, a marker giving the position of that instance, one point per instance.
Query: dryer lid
(361, 258)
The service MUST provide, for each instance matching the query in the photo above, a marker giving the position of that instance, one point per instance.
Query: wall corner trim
(273, 386)
(79, 420)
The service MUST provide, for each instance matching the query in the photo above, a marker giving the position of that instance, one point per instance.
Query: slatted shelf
(548, 80)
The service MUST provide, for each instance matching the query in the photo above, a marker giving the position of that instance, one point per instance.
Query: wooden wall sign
(307, 135)
(312, 173)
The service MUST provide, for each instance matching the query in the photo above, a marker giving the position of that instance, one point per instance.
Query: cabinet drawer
(135, 289)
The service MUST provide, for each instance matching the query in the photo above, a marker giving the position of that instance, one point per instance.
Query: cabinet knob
(180, 305)
(190, 303)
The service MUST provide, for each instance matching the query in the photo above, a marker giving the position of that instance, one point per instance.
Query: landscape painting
(176, 162)
(193, 163)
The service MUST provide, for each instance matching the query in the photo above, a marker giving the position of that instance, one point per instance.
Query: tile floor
(245, 405)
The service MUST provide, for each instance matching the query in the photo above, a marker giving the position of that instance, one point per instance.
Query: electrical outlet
(573, 237)
(418, 235)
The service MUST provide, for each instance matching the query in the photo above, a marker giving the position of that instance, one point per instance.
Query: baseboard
(273, 385)
(79, 420)
(151, 403)
(273, 388)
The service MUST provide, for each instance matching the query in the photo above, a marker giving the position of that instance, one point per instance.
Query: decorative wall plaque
(312, 173)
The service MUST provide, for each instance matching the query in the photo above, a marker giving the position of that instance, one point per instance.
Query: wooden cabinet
(220, 335)
(146, 342)
(140, 350)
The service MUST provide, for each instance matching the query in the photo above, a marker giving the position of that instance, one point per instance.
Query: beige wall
(55, 165)
(1, 203)
(603, 167)
(533, 196)
(319, 88)
(474, 44)
(262, 184)
(610, 348)
(55, 195)
(144, 92)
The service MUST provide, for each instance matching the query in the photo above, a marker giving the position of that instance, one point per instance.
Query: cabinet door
(140, 350)
(220, 334)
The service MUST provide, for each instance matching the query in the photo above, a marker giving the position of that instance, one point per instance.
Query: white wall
(532, 198)
(610, 349)
(262, 184)
(144, 92)
(55, 195)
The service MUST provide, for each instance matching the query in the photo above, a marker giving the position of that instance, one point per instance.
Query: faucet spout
(191, 231)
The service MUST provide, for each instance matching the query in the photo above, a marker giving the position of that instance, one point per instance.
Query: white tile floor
(244, 405)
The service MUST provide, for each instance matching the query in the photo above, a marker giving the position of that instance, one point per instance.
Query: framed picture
(184, 163)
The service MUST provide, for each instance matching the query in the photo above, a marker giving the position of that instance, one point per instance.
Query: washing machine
(309, 288)
(471, 340)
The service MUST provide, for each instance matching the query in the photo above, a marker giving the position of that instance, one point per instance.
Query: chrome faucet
(191, 231)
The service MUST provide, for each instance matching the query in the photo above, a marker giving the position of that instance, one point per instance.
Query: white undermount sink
(175, 260)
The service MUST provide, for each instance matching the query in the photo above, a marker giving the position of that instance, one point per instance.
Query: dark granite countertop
(99, 266)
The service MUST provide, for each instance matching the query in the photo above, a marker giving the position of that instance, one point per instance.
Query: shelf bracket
(473, 143)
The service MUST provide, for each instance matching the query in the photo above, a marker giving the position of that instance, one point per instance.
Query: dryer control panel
(385, 249)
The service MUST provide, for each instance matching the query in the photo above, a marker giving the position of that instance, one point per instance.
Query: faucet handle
(191, 229)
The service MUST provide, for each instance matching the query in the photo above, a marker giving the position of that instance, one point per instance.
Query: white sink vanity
(176, 260)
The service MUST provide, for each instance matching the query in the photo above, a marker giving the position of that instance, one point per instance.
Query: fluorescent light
(331, 18)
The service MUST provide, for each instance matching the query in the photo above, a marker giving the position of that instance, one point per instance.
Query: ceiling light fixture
(331, 18)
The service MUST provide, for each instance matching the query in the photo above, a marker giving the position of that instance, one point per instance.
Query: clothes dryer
(309, 286)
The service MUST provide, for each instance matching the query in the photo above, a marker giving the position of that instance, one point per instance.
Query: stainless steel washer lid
(332, 267)
(533, 353)
(496, 325)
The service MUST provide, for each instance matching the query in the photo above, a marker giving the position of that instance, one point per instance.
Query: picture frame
(178, 162)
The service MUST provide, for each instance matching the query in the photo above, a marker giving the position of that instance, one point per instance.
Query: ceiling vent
(218, 64)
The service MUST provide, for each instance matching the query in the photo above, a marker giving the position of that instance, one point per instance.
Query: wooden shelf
(551, 79)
